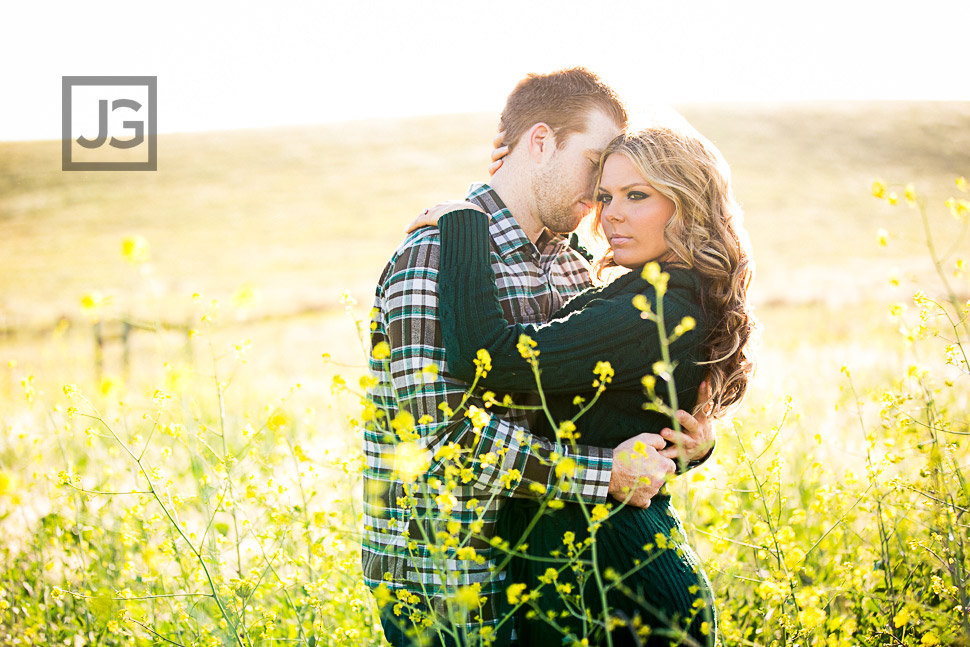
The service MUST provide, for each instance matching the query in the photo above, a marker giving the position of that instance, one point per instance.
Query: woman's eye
(605, 199)
(637, 195)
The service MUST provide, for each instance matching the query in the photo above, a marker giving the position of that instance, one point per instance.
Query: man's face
(563, 187)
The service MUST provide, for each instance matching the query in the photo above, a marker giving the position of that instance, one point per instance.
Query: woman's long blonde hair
(705, 233)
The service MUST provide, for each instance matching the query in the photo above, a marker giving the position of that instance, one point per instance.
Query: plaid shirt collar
(505, 229)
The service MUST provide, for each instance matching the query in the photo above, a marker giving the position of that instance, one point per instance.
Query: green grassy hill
(303, 214)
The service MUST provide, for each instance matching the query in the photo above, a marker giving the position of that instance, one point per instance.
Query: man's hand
(698, 436)
(639, 470)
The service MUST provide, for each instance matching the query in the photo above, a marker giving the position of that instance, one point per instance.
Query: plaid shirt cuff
(591, 482)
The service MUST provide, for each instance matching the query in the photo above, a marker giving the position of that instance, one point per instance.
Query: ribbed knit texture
(600, 324)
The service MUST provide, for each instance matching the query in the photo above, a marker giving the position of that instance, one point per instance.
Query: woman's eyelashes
(605, 198)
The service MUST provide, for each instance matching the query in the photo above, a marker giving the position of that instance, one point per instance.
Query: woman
(664, 197)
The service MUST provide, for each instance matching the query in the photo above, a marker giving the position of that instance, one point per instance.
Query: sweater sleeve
(608, 328)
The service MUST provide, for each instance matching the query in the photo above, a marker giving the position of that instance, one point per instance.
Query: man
(429, 517)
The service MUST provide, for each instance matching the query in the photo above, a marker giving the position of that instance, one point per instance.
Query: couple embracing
(523, 424)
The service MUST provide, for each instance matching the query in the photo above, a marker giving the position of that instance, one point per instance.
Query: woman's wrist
(464, 235)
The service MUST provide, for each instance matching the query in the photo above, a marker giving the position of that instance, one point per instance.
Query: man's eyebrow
(591, 152)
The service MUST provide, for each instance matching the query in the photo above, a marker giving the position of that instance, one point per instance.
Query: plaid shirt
(533, 282)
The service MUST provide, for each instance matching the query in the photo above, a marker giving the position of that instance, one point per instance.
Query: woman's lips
(619, 240)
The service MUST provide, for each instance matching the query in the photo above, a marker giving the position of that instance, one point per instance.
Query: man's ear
(540, 142)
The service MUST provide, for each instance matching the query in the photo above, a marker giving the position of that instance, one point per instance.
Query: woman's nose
(611, 213)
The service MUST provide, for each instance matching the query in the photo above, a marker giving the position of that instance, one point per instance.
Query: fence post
(125, 350)
(189, 356)
(98, 351)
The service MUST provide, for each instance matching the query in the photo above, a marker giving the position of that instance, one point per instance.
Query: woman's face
(633, 214)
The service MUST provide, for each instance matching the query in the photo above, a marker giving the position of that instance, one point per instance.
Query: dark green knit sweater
(666, 587)
(600, 324)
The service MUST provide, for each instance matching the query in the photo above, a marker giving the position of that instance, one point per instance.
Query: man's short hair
(563, 100)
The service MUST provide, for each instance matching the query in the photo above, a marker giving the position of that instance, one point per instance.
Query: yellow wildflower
(91, 304)
(429, 372)
(901, 618)
(686, 325)
(244, 296)
(604, 373)
(134, 249)
(479, 417)
(910, 194)
(649, 383)
(882, 236)
(403, 425)
(381, 351)
(410, 461)
(511, 478)
(446, 500)
(652, 275)
(550, 576)
(277, 421)
(567, 430)
(514, 593)
(448, 452)
(566, 468)
(878, 189)
(483, 362)
(527, 347)
(599, 513)
(468, 597)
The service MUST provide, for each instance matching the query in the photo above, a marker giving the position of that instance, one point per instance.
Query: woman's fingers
(442, 208)
(430, 217)
(499, 152)
(422, 220)
(681, 444)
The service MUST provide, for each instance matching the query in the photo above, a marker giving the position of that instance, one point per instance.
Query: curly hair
(706, 234)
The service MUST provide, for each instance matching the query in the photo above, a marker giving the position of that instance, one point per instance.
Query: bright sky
(226, 65)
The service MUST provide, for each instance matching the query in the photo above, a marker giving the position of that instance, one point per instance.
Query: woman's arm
(605, 329)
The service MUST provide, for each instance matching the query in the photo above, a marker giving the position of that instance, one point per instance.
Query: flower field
(197, 479)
